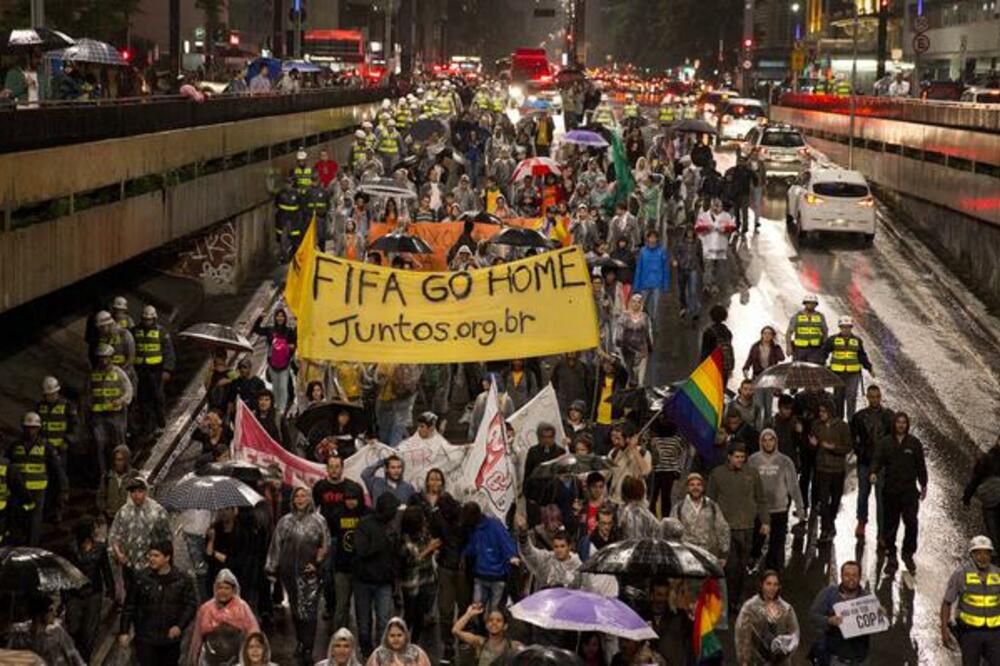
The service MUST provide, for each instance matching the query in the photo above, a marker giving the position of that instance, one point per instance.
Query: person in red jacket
(326, 169)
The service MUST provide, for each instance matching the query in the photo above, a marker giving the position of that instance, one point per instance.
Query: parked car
(782, 148)
(826, 198)
(978, 95)
(738, 116)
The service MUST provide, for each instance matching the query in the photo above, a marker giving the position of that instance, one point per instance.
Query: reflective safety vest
(404, 118)
(55, 422)
(30, 462)
(497, 104)
(690, 112)
(389, 143)
(842, 88)
(105, 388)
(148, 347)
(115, 340)
(288, 201)
(845, 354)
(443, 105)
(820, 87)
(604, 116)
(304, 176)
(979, 603)
(4, 489)
(666, 114)
(631, 110)
(358, 151)
(317, 200)
(808, 329)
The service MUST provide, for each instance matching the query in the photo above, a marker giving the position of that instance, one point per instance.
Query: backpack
(281, 352)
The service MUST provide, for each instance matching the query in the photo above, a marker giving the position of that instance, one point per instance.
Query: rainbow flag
(707, 616)
(696, 408)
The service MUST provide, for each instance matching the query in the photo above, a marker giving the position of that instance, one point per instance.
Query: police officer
(404, 119)
(119, 311)
(288, 214)
(389, 146)
(59, 421)
(847, 358)
(690, 109)
(317, 202)
(304, 174)
(630, 112)
(108, 394)
(974, 591)
(154, 363)
(807, 332)
(32, 456)
(603, 114)
(369, 131)
(666, 115)
(12, 493)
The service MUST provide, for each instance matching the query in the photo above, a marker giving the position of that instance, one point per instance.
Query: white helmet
(411, 98)
(103, 318)
(119, 303)
(980, 543)
(391, 123)
(366, 125)
(386, 104)
(845, 321)
(360, 134)
(301, 155)
(149, 312)
(50, 385)
(629, 96)
(810, 298)
(31, 420)
(104, 349)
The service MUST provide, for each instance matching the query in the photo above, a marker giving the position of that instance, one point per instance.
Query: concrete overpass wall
(203, 176)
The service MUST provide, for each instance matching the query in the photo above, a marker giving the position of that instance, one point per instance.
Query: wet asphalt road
(930, 360)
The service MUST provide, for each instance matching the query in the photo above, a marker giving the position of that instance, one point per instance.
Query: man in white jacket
(714, 226)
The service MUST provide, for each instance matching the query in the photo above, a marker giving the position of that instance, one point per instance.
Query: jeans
(757, 203)
(342, 594)
(740, 211)
(903, 507)
(279, 386)
(394, 418)
(196, 544)
(369, 597)
(651, 301)
(454, 596)
(848, 394)
(807, 466)
(108, 431)
(489, 593)
(152, 403)
(764, 398)
(866, 488)
(33, 518)
(713, 271)
(688, 285)
(776, 541)
(740, 544)
(828, 491)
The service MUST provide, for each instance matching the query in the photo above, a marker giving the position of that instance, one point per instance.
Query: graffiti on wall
(210, 256)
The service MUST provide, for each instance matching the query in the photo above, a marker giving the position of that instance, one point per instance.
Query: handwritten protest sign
(861, 616)
(348, 311)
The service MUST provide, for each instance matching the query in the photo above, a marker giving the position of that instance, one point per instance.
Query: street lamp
(795, 14)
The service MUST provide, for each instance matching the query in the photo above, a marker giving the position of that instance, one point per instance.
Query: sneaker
(911, 566)
(859, 531)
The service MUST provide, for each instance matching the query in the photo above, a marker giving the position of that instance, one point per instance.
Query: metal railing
(62, 123)
(963, 115)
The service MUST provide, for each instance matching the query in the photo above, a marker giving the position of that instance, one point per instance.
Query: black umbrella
(570, 463)
(399, 243)
(521, 237)
(246, 472)
(217, 336)
(424, 130)
(37, 570)
(660, 558)
(539, 655)
(696, 125)
(606, 262)
(209, 492)
(797, 375)
(480, 217)
(407, 162)
(324, 415)
(45, 39)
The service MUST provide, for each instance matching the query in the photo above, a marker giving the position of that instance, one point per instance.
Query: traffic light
(748, 43)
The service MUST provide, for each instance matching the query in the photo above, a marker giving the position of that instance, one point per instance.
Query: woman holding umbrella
(767, 629)
(300, 543)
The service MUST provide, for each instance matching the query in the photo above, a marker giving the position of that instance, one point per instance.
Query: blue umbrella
(304, 66)
(273, 68)
(585, 138)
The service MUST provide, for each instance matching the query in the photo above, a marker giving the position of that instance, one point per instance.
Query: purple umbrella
(585, 138)
(560, 608)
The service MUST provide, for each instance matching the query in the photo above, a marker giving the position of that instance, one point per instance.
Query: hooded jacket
(377, 543)
(491, 547)
(213, 616)
(267, 650)
(341, 634)
(409, 655)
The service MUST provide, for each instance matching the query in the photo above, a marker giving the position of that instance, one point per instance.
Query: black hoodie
(377, 543)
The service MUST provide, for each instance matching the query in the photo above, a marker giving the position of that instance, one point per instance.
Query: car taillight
(545, 78)
(867, 202)
(812, 199)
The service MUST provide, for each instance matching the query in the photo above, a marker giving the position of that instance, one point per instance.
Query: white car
(738, 116)
(826, 198)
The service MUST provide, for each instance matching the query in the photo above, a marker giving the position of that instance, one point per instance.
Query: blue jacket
(377, 485)
(652, 270)
(491, 546)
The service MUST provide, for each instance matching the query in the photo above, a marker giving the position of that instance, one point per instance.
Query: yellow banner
(349, 311)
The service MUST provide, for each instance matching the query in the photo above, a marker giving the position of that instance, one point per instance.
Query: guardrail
(59, 124)
(964, 115)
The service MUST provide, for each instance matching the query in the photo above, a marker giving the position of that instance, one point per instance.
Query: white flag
(489, 471)
(543, 408)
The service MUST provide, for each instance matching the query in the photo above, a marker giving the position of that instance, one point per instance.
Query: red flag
(252, 444)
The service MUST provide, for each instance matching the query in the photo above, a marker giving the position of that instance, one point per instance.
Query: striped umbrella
(536, 166)
(209, 492)
(654, 557)
(90, 50)
(797, 375)
(33, 38)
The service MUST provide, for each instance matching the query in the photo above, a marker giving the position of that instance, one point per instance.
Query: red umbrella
(536, 166)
